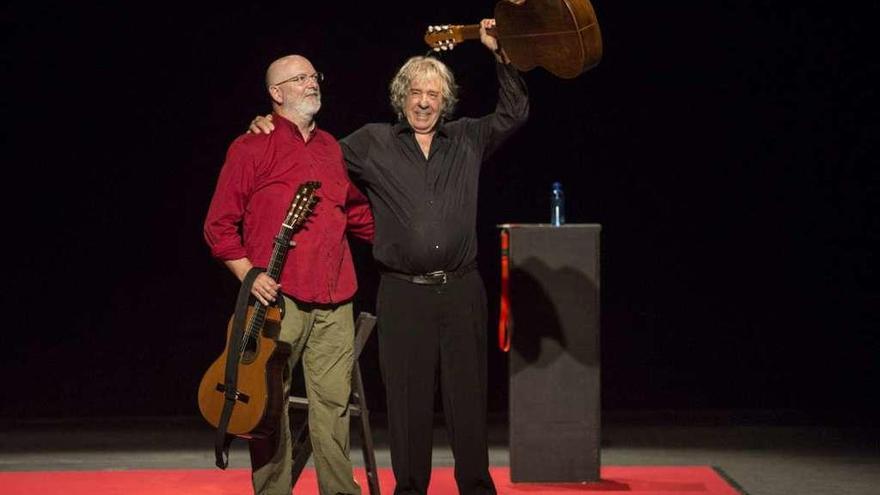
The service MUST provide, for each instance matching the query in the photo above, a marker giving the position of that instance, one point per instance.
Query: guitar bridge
(243, 398)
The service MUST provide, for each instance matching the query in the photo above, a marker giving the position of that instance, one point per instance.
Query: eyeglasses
(301, 79)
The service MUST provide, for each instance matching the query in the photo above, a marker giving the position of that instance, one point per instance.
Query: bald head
(292, 83)
(286, 67)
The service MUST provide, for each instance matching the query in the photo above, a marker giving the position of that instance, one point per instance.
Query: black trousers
(423, 330)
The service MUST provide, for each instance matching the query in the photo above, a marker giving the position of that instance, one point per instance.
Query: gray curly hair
(417, 68)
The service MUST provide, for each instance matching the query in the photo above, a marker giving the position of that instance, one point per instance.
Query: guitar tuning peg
(446, 26)
(436, 48)
(430, 29)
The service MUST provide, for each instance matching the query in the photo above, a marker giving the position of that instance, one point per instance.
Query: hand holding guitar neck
(487, 37)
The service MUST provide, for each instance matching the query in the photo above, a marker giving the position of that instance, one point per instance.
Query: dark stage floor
(767, 453)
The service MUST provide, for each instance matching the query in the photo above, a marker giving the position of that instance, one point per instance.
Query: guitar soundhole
(251, 349)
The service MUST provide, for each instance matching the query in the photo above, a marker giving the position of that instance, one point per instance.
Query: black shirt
(425, 209)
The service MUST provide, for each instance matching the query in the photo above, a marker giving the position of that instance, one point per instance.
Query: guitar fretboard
(299, 208)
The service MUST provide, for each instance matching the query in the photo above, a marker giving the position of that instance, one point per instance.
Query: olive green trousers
(323, 336)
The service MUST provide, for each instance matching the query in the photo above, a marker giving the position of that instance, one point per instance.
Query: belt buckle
(438, 274)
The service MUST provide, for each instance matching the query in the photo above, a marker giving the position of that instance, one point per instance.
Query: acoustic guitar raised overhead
(561, 36)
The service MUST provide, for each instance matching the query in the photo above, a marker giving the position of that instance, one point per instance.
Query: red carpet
(642, 480)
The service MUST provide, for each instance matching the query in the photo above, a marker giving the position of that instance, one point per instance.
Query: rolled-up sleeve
(222, 228)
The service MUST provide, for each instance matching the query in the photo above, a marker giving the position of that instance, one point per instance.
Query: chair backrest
(363, 328)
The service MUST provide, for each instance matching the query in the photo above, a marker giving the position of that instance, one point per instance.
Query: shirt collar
(402, 126)
(291, 128)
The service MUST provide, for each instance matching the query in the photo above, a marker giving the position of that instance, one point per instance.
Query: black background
(727, 148)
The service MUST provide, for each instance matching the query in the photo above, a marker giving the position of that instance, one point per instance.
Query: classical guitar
(259, 358)
(561, 36)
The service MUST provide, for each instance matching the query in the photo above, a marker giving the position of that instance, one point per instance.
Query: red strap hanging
(504, 315)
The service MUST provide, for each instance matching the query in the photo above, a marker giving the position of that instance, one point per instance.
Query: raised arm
(512, 108)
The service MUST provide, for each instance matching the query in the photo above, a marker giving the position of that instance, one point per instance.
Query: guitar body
(561, 36)
(260, 372)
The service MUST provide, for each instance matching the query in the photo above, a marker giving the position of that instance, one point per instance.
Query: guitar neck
(447, 36)
(279, 252)
(300, 207)
(470, 31)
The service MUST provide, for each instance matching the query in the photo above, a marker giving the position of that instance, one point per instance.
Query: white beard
(308, 107)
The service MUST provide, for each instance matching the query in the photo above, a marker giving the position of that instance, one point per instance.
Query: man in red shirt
(258, 180)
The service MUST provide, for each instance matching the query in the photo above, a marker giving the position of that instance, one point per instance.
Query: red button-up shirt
(256, 186)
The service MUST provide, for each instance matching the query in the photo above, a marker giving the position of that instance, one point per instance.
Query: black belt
(439, 277)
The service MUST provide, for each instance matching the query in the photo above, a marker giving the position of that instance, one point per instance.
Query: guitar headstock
(302, 204)
(442, 38)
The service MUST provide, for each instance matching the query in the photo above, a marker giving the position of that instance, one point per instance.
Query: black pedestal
(554, 355)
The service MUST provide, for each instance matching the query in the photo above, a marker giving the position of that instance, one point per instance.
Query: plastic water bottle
(557, 205)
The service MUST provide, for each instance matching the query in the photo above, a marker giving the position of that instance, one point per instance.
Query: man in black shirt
(421, 176)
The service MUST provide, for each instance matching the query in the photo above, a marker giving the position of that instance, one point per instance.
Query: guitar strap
(222, 439)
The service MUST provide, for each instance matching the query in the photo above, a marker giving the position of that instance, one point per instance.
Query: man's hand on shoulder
(262, 125)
